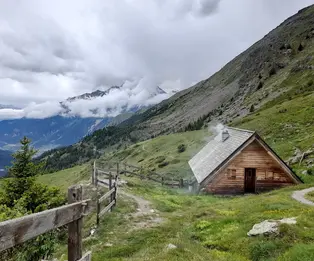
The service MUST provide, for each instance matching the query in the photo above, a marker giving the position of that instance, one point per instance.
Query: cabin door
(249, 181)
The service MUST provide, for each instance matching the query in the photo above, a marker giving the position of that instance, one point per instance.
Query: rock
(270, 226)
(92, 232)
(122, 182)
(171, 246)
(152, 211)
(289, 221)
(108, 245)
(304, 172)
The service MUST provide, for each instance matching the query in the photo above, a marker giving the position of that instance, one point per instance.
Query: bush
(310, 172)
(252, 109)
(163, 164)
(272, 71)
(181, 148)
(260, 85)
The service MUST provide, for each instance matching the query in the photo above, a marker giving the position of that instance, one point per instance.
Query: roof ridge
(238, 129)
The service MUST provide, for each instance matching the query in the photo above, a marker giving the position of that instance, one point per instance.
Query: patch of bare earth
(145, 216)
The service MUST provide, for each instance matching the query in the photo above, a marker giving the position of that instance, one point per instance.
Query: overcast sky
(52, 50)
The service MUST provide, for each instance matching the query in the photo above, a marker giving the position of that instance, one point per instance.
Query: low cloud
(130, 95)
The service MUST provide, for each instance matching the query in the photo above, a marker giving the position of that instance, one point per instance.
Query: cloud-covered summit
(98, 104)
(52, 50)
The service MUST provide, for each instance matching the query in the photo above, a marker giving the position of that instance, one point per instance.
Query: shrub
(252, 109)
(163, 164)
(260, 85)
(310, 172)
(301, 47)
(272, 71)
(181, 148)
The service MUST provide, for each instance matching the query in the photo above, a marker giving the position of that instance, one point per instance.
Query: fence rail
(16, 231)
(109, 181)
(154, 176)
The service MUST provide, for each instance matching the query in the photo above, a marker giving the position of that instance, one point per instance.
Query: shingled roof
(217, 151)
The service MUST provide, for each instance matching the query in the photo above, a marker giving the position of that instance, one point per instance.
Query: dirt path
(145, 216)
(299, 196)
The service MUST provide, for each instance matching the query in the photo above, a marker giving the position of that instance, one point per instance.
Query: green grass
(161, 154)
(210, 228)
(65, 178)
(284, 131)
(202, 227)
(310, 196)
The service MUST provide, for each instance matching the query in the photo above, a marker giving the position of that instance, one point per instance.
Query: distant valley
(5, 160)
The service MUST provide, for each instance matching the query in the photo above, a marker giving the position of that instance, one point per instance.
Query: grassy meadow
(201, 227)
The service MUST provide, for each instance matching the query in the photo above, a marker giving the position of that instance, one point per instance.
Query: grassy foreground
(201, 227)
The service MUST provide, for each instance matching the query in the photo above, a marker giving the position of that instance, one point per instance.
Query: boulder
(270, 226)
(171, 246)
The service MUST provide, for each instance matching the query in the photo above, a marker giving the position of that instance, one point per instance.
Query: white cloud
(52, 50)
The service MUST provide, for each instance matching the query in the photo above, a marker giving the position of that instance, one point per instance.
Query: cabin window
(269, 175)
(277, 176)
(232, 174)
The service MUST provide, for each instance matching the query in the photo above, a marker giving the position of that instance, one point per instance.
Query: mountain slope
(279, 68)
(5, 160)
(47, 133)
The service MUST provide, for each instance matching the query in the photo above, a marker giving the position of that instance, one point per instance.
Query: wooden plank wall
(253, 156)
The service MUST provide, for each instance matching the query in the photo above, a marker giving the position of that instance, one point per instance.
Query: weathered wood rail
(152, 175)
(109, 180)
(17, 231)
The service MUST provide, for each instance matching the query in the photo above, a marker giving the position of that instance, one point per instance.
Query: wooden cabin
(239, 161)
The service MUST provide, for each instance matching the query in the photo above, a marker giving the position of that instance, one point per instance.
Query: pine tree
(22, 195)
(22, 173)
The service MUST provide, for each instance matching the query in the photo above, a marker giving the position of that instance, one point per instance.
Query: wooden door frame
(245, 187)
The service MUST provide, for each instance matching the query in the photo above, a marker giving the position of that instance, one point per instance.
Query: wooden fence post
(96, 178)
(97, 208)
(93, 173)
(110, 187)
(141, 173)
(181, 183)
(75, 228)
(118, 171)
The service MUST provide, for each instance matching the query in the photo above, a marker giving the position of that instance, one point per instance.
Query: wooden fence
(16, 231)
(107, 179)
(131, 170)
(152, 175)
